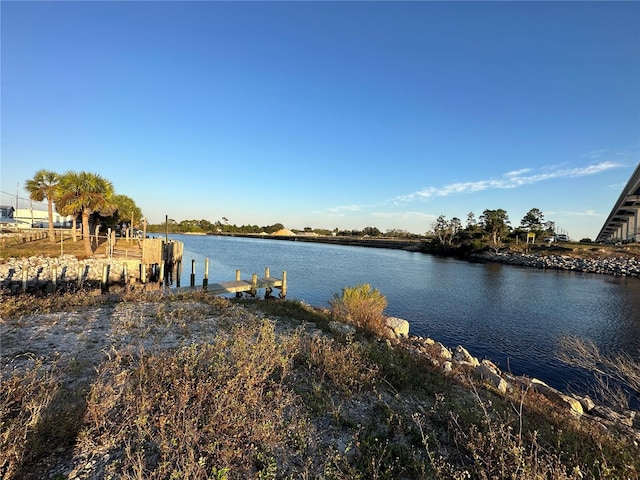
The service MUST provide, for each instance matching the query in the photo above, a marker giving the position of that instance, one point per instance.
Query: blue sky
(328, 114)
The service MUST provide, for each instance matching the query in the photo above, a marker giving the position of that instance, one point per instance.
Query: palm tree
(127, 211)
(43, 185)
(67, 209)
(86, 193)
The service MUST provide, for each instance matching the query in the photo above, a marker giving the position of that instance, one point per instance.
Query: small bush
(361, 306)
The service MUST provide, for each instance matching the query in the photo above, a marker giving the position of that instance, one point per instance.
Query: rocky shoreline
(451, 361)
(617, 266)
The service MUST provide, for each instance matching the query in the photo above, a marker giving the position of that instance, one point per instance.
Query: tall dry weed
(361, 306)
(219, 407)
(25, 397)
(613, 373)
(485, 444)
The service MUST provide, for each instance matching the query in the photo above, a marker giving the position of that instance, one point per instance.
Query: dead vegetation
(199, 387)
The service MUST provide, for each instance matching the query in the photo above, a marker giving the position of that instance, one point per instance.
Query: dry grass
(268, 396)
(580, 250)
(219, 407)
(25, 398)
(45, 248)
(616, 376)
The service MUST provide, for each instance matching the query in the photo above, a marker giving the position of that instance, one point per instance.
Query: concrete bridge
(622, 223)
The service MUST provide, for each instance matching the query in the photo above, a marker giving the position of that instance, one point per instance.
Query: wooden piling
(283, 289)
(193, 274)
(24, 279)
(254, 285)
(143, 273)
(205, 280)
(54, 278)
(105, 278)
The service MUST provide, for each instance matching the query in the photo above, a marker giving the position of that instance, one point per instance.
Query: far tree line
(86, 195)
(491, 229)
(223, 226)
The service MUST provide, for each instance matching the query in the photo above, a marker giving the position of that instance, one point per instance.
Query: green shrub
(361, 306)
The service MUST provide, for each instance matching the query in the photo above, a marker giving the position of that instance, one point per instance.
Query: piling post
(125, 274)
(193, 273)
(179, 272)
(24, 278)
(54, 278)
(238, 294)
(143, 273)
(254, 284)
(105, 277)
(283, 290)
(266, 272)
(205, 280)
(161, 277)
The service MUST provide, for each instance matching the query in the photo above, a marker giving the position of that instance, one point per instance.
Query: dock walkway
(239, 286)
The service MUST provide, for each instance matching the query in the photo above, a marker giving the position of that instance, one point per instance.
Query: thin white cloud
(517, 173)
(404, 215)
(342, 210)
(513, 179)
(586, 213)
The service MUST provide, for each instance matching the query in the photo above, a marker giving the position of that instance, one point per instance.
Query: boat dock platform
(240, 287)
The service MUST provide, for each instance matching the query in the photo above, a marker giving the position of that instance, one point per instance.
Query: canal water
(515, 316)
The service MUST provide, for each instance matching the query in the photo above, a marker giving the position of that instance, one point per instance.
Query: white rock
(444, 352)
(461, 355)
(398, 326)
(491, 375)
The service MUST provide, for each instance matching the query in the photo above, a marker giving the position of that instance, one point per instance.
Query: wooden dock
(161, 263)
(240, 287)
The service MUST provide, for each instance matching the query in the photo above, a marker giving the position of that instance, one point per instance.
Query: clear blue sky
(329, 114)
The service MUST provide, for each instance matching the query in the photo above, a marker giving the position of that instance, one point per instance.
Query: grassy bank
(193, 386)
(48, 249)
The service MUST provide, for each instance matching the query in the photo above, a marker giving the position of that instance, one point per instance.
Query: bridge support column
(626, 227)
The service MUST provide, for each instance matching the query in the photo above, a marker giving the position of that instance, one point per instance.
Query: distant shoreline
(391, 243)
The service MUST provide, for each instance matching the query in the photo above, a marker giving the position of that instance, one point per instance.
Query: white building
(28, 217)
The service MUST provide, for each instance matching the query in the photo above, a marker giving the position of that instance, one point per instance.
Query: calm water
(513, 316)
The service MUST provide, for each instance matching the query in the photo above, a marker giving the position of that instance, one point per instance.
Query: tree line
(491, 229)
(83, 195)
(224, 227)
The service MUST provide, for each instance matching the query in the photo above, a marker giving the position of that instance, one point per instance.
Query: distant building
(6, 211)
(30, 218)
(6, 217)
